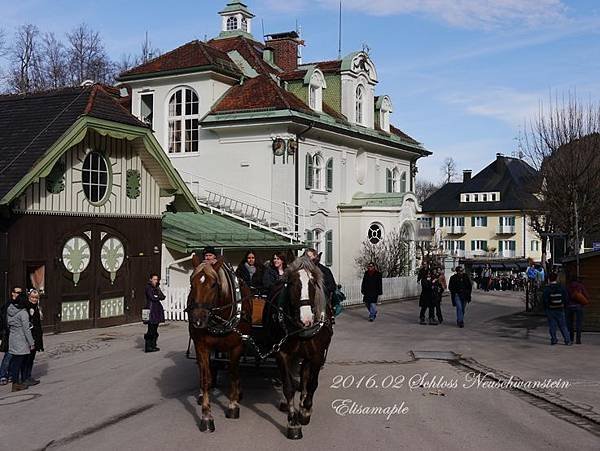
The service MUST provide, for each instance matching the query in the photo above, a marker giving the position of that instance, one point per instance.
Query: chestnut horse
(304, 321)
(217, 320)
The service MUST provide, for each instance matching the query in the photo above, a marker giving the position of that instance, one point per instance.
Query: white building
(304, 149)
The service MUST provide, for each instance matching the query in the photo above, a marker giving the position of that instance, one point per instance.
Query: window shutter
(472, 221)
(309, 171)
(472, 245)
(484, 221)
(309, 238)
(329, 248)
(329, 180)
(388, 181)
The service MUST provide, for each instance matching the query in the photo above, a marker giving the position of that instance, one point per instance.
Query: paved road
(99, 391)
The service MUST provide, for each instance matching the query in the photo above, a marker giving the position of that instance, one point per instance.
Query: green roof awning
(186, 232)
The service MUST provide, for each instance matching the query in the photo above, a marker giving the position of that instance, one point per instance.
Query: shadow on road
(181, 381)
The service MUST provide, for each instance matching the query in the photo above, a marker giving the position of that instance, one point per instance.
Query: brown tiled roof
(300, 73)
(259, 94)
(191, 55)
(401, 134)
(250, 50)
(31, 123)
(293, 75)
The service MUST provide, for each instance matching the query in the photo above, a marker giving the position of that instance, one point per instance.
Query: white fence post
(393, 288)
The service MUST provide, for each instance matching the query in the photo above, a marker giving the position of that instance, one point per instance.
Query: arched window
(360, 100)
(315, 91)
(403, 182)
(95, 177)
(319, 168)
(232, 24)
(244, 24)
(183, 121)
(395, 180)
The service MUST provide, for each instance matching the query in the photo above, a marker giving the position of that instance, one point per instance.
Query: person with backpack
(555, 299)
(4, 335)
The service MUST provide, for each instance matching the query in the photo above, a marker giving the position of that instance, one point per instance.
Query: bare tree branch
(424, 189)
(563, 143)
(391, 255)
(54, 62)
(449, 170)
(87, 58)
(25, 73)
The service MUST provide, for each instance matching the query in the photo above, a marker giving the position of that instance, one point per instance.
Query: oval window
(95, 177)
(375, 233)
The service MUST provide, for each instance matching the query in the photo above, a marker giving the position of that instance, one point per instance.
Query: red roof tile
(190, 55)
(259, 93)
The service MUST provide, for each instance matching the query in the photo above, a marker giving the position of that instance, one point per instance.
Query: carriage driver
(210, 255)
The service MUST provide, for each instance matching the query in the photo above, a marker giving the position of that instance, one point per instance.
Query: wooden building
(83, 186)
(589, 272)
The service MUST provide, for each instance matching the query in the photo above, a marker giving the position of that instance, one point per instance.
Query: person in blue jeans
(460, 287)
(4, 367)
(555, 299)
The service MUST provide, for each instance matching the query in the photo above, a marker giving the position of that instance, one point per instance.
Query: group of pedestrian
(433, 284)
(21, 337)
(564, 309)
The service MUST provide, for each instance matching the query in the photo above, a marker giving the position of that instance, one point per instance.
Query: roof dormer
(236, 20)
(359, 78)
(316, 83)
(383, 110)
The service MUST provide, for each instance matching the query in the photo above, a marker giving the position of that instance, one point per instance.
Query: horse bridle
(235, 316)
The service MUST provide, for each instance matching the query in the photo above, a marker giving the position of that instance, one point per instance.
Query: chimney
(467, 175)
(285, 48)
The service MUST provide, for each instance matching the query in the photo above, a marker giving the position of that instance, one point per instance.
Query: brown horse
(216, 322)
(308, 327)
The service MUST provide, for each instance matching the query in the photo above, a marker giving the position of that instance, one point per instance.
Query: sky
(465, 76)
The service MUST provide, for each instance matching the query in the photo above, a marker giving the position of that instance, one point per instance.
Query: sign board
(596, 246)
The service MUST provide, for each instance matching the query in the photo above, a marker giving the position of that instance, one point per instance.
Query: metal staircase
(256, 211)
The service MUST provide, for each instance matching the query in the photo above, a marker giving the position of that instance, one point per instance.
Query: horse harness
(231, 325)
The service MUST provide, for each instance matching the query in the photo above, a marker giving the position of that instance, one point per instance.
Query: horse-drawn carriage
(230, 325)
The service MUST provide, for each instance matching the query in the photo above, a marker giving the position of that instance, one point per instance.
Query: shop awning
(186, 232)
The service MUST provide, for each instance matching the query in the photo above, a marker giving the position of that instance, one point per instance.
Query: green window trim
(309, 171)
(329, 175)
(329, 248)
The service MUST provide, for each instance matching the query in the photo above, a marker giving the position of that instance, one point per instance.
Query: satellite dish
(87, 83)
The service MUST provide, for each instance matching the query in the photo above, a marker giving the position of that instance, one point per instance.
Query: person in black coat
(460, 286)
(427, 299)
(371, 288)
(157, 313)
(35, 319)
(251, 271)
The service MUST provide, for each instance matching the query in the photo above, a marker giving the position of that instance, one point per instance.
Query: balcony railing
(456, 230)
(508, 254)
(506, 230)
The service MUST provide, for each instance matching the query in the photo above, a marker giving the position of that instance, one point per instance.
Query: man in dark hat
(210, 255)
